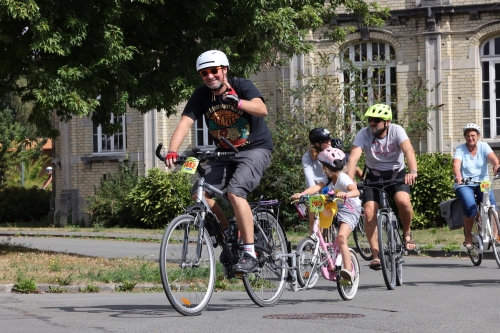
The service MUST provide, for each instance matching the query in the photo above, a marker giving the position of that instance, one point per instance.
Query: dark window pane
(94, 143)
(497, 71)
(210, 140)
(485, 70)
(357, 50)
(498, 127)
(199, 138)
(486, 129)
(346, 77)
(497, 45)
(364, 75)
(393, 53)
(393, 74)
(486, 90)
(486, 48)
(375, 51)
(394, 111)
(497, 90)
(394, 92)
(364, 52)
(486, 109)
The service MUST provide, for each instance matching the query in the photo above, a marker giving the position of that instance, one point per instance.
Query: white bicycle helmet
(211, 58)
(472, 126)
(333, 158)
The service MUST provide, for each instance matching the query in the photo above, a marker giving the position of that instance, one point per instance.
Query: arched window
(490, 79)
(369, 76)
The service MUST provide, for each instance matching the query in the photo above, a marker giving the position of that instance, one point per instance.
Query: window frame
(488, 56)
(206, 137)
(99, 136)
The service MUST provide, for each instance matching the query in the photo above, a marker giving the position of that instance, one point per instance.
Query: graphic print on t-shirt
(379, 149)
(228, 123)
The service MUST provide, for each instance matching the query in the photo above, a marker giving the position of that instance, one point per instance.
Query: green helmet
(381, 111)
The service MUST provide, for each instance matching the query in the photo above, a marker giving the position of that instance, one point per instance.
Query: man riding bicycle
(385, 145)
(232, 108)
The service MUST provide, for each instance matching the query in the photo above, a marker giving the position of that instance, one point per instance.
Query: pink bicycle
(314, 256)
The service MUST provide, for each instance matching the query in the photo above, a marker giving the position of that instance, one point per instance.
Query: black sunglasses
(213, 71)
(375, 120)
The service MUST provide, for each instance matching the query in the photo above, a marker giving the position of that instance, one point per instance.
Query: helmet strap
(379, 135)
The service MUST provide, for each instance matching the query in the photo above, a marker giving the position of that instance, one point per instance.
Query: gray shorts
(241, 175)
(348, 217)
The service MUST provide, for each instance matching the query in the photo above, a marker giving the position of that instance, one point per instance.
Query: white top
(313, 170)
(383, 154)
(343, 181)
(477, 166)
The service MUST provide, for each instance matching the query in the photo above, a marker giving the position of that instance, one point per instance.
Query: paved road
(439, 295)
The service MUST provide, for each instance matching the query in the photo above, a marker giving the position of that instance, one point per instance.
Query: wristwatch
(413, 172)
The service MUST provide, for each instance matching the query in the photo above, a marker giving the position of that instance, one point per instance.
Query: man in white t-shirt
(385, 145)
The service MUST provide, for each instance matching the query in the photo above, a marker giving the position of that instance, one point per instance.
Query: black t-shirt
(242, 129)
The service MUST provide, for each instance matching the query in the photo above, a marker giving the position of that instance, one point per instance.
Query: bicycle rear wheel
(361, 240)
(494, 225)
(266, 286)
(348, 291)
(188, 283)
(475, 256)
(386, 250)
(305, 265)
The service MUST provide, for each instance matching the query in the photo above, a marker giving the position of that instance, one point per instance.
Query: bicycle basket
(326, 216)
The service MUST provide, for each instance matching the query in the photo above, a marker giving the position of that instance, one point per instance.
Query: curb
(82, 288)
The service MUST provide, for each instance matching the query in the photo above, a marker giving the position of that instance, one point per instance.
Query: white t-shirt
(383, 154)
(313, 170)
(343, 181)
(477, 166)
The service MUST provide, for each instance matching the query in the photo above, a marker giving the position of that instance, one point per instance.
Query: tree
(15, 146)
(90, 57)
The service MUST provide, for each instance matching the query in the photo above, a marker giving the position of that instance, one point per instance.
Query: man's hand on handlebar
(410, 178)
(170, 159)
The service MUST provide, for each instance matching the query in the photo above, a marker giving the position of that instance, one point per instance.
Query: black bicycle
(390, 239)
(187, 257)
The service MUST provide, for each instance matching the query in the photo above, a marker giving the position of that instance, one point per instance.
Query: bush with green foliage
(19, 204)
(434, 185)
(109, 205)
(160, 197)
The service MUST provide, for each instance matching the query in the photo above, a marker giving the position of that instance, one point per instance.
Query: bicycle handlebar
(328, 198)
(468, 180)
(199, 154)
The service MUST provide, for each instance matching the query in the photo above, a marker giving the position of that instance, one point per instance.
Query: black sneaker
(247, 264)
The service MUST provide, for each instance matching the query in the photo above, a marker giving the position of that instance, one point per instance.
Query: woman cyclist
(471, 160)
(333, 161)
(313, 169)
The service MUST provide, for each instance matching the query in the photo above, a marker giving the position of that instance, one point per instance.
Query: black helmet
(317, 135)
(337, 143)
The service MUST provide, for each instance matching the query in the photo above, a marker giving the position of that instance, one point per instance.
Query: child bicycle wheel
(347, 290)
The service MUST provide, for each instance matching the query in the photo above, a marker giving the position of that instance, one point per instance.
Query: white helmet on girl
(472, 126)
(333, 158)
(212, 58)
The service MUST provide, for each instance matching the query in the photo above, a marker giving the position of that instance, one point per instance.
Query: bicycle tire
(306, 270)
(493, 216)
(347, 292)
(361, 240)
(474, 254)
(266, 286)
(188, 288)
(399, 252)
(386, 250)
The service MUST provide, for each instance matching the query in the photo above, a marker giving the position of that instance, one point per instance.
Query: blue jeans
(465, 193)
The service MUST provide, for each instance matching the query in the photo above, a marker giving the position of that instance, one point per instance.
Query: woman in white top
(313, 169)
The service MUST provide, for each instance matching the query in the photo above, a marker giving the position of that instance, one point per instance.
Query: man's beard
(376, 131)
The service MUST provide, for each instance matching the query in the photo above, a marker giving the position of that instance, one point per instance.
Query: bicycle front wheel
(266, 285)
(386, 250)
(348, 291)
(399, 252)
(307, 274)
(188, 281)
(361, 240)
(495, 226)
(475, 255)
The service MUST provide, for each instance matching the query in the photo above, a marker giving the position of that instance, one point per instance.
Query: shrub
(109, 207)
(19, 204)
(434, 184)
(160, 197)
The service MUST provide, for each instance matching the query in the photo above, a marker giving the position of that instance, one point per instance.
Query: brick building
(454, 43)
